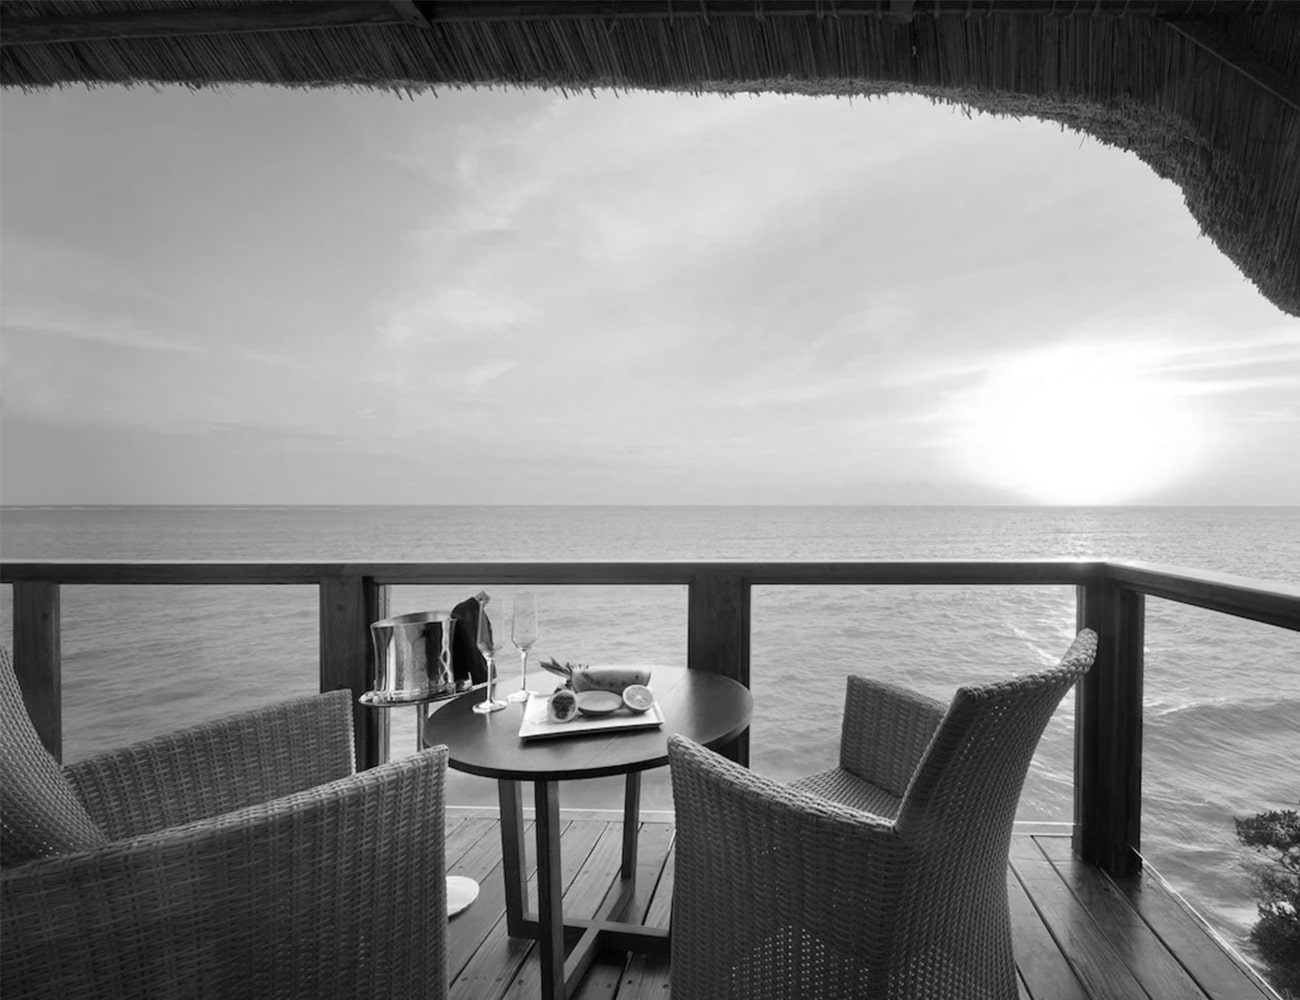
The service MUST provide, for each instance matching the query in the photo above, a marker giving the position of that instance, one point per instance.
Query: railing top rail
(883, 572)
(1137, 573)
(1271, 602)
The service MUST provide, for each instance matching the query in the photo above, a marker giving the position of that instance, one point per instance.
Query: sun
(1076, 425)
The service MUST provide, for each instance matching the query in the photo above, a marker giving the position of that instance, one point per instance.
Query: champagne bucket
(413, 659)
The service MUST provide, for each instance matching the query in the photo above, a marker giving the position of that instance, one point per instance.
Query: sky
(516, 296)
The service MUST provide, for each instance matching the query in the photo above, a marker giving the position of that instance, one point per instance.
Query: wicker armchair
(240, 858)
(883, 878)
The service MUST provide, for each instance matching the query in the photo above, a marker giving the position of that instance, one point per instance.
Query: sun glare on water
(1073, 426)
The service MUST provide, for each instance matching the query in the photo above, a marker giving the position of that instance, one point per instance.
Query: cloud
(480, 377)
(69, 323)
(640, 298)
(451, 315)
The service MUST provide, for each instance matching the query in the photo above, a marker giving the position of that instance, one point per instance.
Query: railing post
(717, 635)
(38, 659)
(348, 604)
(1108, 731)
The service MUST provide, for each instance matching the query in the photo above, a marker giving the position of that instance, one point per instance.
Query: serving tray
(537, 725)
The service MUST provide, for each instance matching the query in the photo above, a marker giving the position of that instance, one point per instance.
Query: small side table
(709, 708)
(461, 891)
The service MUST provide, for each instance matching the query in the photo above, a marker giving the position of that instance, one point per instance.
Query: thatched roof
(1208, 94)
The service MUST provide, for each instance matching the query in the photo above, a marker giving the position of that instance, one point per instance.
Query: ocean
(1222, 698)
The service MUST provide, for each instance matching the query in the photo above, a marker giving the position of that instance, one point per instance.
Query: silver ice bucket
(413, 658)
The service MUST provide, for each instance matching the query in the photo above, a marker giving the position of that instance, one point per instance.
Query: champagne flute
(523, 633)
(489, 646)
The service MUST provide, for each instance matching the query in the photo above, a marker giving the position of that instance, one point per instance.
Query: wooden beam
(524, 10)
(718, 634)
(38, 659)
(348, 604)
(901, 10)
(1273, 604)
(1108, 732)
(1241, 58)
(308, 15)
(179, 22)
(414, 12)
(943, 572)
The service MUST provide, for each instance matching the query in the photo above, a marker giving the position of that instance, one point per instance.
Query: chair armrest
(885, 732)
(337, 891)
(219, 766)
(759, 864)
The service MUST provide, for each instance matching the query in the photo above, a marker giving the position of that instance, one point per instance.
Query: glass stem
(523, 670)
(490, 692)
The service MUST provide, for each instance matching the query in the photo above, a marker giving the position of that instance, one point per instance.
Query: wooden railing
(1110, 598)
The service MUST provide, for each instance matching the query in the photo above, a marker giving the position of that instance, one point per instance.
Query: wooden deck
(1078, 934)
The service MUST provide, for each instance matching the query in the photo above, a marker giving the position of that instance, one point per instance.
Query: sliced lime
(638, 697)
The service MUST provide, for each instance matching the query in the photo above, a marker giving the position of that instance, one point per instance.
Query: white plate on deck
(461, 891)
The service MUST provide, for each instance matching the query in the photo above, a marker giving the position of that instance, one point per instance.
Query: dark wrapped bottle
(468, 665)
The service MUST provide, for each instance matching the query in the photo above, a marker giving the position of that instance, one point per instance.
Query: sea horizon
(634, 506)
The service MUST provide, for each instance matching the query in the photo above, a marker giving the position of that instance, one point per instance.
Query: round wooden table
(705, 707)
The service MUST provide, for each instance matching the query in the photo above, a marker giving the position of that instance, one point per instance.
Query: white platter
(537, 724)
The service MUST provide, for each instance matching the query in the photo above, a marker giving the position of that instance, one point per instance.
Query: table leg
(421, 723)
(550, 890)
(560, 972)
(513, 857)
(631, 825)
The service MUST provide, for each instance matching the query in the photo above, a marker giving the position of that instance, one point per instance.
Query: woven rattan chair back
(40, 814)
(975, 766)
(957, 815)
(240, 857)
(783, 893)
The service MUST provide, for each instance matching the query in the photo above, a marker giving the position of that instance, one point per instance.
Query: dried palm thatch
(1206, 93)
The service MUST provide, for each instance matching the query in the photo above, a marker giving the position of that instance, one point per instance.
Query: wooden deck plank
(1203, 956)
(587, 891)
(481, 862)
(648, 906)
(1135, 942)
(609, 972)
(464, 834)
(496, 959)
(1078, 935)
(646, 976)
(1099, 967)
(1044, 971)
(577, 840)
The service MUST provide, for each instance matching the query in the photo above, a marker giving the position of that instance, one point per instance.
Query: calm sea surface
(1222, 722)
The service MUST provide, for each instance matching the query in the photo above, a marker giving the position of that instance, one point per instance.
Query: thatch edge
(1130, 82)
